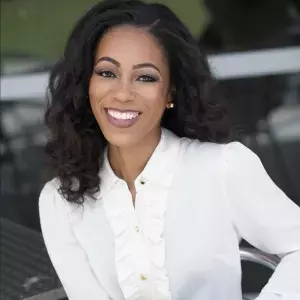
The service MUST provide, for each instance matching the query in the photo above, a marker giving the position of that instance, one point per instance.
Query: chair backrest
(261, 258)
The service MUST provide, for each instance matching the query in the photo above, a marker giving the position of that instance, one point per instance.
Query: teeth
(122, 115)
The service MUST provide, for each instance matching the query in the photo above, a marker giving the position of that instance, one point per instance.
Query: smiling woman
(140, 139)
(127, 56)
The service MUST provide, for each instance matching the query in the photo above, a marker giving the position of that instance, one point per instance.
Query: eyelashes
(106, 74)
(147, 78)
(111, 75)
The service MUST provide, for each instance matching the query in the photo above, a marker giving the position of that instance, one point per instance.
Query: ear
(170, 95)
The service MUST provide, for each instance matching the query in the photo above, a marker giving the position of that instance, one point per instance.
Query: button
(142, 181)
(143, 277)
(137, 229)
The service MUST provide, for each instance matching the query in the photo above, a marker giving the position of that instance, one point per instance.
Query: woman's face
(130, 86)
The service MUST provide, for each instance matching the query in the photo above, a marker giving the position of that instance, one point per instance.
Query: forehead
(128, 44)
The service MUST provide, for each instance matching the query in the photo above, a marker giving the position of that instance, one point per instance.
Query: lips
(121, 118)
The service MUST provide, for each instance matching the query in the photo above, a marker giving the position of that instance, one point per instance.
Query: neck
(128, 162)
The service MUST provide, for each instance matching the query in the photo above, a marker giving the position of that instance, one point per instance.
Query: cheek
(98, 90)
(154, 97)
(96, 95)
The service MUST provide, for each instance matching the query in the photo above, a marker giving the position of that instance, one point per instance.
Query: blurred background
(254, 51)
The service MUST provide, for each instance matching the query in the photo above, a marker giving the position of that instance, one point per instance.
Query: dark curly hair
(76, 143)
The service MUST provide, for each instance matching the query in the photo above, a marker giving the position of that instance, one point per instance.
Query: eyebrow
(146, 65)
(109, 59)
(138, 66)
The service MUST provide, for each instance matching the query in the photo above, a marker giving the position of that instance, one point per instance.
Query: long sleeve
(68, 258)
(265, 217)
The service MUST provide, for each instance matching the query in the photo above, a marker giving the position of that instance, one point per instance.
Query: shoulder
(53, 206)
(50, 190)
(51, 202)
(237, 156)
(193, 148)
(213, 154)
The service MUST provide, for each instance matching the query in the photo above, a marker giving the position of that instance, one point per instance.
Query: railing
(224, 66)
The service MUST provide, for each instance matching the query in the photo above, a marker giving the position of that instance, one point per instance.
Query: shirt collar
(159, 169)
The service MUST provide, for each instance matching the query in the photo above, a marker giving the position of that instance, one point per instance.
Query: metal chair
(247, 254)
(261, 258)
(58, 293)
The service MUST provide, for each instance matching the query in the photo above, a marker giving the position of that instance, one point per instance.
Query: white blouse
(194, 203)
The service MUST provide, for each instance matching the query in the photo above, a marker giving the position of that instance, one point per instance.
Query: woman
(150, 198)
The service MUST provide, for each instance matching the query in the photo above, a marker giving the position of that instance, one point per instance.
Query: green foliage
(40, 27)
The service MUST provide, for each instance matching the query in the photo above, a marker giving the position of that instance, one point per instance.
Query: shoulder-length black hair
(76, 143)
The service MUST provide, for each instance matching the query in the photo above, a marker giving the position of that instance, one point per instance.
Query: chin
(122, 139)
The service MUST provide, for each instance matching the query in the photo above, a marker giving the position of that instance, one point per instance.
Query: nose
(123, 92)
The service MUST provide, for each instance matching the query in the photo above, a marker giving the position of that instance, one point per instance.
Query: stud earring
(170, 105)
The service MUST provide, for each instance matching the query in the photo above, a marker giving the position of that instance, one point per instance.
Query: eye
(106, 73)
(147, 78)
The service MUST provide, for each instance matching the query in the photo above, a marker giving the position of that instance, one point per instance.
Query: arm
(265, 217)
(68, 258)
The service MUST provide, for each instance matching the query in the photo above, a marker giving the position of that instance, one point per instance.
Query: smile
(122, 115)
(121, 118)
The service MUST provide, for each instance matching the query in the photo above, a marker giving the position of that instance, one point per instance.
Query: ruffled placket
(139, 246)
